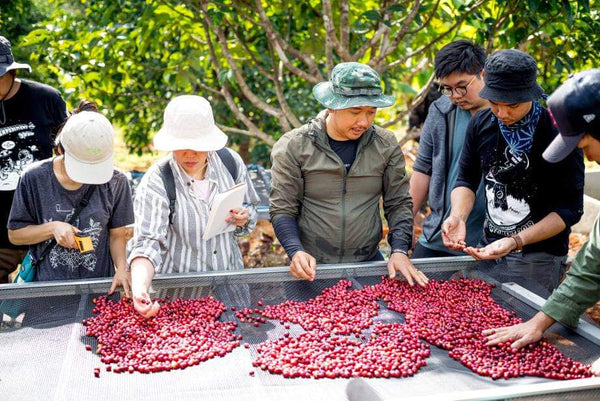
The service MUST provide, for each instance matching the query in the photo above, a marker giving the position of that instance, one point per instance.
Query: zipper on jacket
(343, 215)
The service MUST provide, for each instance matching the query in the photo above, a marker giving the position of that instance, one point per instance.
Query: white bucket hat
(87, 139)
(189, 124)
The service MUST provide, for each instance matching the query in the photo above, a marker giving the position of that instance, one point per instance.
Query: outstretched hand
(454, 233)
(495, 250)
(399, 262)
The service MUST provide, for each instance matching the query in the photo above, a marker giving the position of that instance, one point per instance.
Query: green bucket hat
(352, 85)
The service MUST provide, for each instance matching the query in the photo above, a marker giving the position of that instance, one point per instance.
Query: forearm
(287, 231)
(142, 273)
(32, 234)
(117, 245)
(462, 200)
(581, 287)
(546, 228)
(542, 321)
(419, 189)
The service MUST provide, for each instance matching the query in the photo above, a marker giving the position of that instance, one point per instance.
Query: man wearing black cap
(30, 114)
(575, 108)
(530, 203)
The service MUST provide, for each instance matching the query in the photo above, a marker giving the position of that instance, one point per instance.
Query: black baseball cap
(575, 109)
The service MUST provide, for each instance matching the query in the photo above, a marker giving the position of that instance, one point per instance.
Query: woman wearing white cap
(77, 196)
(171, 242)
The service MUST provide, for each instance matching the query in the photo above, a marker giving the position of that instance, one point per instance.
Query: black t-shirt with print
(33, 115)
(521, 189)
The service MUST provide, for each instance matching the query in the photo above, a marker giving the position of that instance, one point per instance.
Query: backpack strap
(166, 174)
(229, 162)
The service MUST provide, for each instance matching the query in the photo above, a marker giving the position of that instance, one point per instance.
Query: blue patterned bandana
(519, 135)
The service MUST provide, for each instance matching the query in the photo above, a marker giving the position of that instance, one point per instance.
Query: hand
(144, 305)
(454, 232)
(63, 234)
(401, 263)
(495, 250)
(303, 266)
(596, 367)
(238, 217)
(121, 278)
(520, 334)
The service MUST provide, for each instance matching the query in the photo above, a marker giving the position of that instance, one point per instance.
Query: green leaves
(133, 56)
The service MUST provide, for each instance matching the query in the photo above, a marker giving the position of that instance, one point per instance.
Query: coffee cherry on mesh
(184, 333)
(452, 315)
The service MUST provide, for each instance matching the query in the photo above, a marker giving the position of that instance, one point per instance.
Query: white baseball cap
(189, 124)
(87, 138)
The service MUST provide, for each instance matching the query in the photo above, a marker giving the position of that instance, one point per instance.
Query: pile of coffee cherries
(338, 310)
(392, 351)
(452, 315)
(184, 333)
(336, 343)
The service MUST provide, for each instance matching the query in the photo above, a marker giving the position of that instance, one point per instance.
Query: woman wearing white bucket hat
(169, 239)
(79, 202)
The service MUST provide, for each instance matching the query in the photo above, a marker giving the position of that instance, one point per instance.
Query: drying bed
(43, 352)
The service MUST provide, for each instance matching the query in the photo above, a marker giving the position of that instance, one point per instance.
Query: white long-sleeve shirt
(179, 247)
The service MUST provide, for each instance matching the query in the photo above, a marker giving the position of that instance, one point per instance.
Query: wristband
(398, 250)
(518, 241)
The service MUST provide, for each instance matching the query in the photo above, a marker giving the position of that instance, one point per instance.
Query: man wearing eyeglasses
(457, 67)
(531, 203)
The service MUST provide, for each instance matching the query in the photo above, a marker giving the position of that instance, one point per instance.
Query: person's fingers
(126, 283)
(141, 307)
(488, 332)
(113, 287)
(407, 275)
(391, 271)
(297, 271)
(422, 279)
(154, 309)
(306, 267)
(521, 342)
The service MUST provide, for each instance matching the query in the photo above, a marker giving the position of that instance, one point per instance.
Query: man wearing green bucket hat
(329, 175)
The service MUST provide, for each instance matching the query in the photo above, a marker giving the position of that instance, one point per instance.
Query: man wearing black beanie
(530, 203)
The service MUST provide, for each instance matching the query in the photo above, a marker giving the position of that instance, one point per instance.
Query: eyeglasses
(460, 90)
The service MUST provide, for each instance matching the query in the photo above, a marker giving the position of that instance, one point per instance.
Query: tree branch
(330, 32)
(427, 21)
(372, 42)
(345, 24)
(281, 46)
(240, 80)
(437, 39)
(252, 128)
(399, 36)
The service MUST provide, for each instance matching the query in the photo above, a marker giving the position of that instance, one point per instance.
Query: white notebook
(222, 203)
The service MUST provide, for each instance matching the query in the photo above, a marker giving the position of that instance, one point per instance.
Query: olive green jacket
(581, 288)
(337, 211)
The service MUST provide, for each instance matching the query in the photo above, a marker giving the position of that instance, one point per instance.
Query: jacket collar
(444, 105)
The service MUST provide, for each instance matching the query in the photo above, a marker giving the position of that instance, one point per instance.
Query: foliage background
(257, 61)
